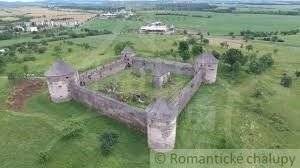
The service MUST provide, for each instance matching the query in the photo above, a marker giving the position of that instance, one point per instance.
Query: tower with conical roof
(59, 77)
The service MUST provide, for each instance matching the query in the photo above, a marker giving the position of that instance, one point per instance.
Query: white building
(32, 29)
(157, 27)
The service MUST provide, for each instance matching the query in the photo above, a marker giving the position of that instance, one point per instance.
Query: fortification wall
(184, 96)
(102, 72)
(163, 65)
(133, 117)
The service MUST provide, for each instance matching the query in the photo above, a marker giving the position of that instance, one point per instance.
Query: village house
(32, 29)
(120, 13)
(157, 27)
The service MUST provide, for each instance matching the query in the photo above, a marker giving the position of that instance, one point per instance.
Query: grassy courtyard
(130, 83)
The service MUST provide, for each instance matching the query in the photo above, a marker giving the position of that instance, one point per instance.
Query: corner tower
(208, 63)
(59, 77)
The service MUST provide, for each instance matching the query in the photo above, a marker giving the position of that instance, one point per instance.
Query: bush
(37, 36)
(297, 73)
(43, 157)
(29, 58)
(72, 128)
(108, 140)
(255, 67)
(286, 80)
(261, 64)
(121, 45)
(42, 50)
(216, 54)
(266, 60)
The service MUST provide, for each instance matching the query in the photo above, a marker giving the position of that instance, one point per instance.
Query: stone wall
(159, 80)
(131, 116)
(184, 96)
(163, 65)
(101, 72)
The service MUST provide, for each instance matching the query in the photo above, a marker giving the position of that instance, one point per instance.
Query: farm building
(157, 27)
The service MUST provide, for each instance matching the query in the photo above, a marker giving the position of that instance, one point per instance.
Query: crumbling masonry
(158, 120)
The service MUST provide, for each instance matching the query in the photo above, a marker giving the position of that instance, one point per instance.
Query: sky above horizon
(134, 0)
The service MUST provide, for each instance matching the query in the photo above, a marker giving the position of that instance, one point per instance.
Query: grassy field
(219, 116)
(223, 23)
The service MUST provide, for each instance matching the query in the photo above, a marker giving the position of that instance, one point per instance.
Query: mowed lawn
(218, 116)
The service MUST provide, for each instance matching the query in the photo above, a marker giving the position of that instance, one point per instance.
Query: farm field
(219, 115)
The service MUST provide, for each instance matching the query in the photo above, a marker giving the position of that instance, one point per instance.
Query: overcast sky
(129, 0)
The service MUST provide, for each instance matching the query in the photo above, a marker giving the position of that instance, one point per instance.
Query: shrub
(255, 67)
(297, 73)
(72, 128)
(183, 50)
(42, 50)
(29, 58)
(37, 36)
(257, 93)
(286, 80)
(43, 157)
(266, 60)
(196, 50)
(216, 54)
(261, 64)
(121, 45)
(108, 140)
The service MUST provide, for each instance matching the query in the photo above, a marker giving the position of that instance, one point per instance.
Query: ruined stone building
(159, 119)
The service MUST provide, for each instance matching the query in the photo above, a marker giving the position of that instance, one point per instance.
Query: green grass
(216, 113)
(25, 134)
(223, 23)
(128, 83)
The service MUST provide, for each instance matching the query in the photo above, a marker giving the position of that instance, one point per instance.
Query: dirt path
(233, 43)
(22, 91)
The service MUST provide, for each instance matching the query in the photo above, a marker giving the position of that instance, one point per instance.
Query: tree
(121, 45)
(205, 41)
(297, 73)
(286, 80)
(232, 56)
(216, 54)
(266, 60)
(191, 41)
(249, 47)
(224, 44)
(196, 50)
(255, 67)
(183, 50)
(173, 53)
(275, 51)
(235, 69)
(231, 34)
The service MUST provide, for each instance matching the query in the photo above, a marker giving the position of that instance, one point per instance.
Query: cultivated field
(219, 115)
(40, 14)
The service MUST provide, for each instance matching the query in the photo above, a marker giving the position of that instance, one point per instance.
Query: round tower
(161, 126)
(209, 65)
(59, 77)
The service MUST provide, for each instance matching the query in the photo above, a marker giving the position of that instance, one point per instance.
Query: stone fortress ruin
(158, 120)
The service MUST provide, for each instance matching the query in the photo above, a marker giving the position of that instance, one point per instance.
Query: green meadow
(219, 115)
